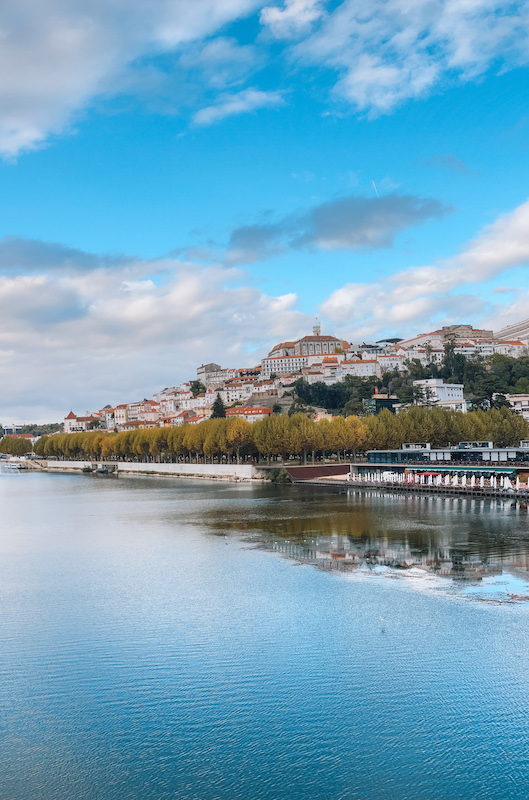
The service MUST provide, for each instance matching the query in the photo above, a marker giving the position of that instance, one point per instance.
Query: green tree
(310, 437)
(196, 387)
(238, 435)
(15, 446)
(219, 409)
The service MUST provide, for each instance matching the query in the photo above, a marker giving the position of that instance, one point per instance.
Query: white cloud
(113, 335)
(239, 103)
(293, 20)
(409, 300)
(389, 51)
(222, 61)
(56, 55)
(83, 334)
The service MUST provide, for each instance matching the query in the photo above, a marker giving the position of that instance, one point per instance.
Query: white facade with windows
(445, 395)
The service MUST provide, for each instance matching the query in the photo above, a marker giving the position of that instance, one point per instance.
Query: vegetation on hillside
(486, 381)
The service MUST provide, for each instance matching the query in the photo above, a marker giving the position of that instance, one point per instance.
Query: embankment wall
(242, 472)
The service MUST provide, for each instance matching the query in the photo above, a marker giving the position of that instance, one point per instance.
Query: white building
(282, 365)
(441, 394)
(519, 403)
(288, 358)
(252, 414)
(360, 368)
(392, 362)
(520, 330)
(75, 424)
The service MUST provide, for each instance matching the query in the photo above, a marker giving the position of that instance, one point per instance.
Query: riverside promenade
(230, 472)
(346, 477)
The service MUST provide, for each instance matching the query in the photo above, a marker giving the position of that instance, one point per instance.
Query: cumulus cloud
(294, 19)
(240, 103)
(387, 52)
(56, 56)
(81, 339)
(347, 223)
(413, 297)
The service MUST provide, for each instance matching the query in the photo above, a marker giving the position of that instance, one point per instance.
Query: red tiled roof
(247, 411)
(71, 415)
(361, 361)
(274, 358)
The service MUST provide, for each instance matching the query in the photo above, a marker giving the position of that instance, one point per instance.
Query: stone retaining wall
(244, 472)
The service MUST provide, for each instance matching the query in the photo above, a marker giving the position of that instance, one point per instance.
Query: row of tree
(15, 446)
(283, 436)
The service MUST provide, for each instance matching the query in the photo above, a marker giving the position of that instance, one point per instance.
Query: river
(165, 638)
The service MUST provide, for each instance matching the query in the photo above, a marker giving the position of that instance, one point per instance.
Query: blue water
(156, 644)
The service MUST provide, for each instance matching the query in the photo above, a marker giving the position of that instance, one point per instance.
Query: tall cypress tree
(219, 409)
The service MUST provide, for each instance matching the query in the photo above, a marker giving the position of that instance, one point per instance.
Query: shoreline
(236, 473)
(252, 474)
(417, 489)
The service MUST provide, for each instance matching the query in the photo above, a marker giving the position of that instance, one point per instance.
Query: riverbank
(225, 472)
(333, 476)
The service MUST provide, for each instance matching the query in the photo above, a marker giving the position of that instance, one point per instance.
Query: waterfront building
(478, 455)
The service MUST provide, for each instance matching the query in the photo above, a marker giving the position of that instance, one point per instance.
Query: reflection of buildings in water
(346, 554)
(457, 537)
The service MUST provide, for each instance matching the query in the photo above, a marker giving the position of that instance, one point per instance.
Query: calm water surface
(178, 639)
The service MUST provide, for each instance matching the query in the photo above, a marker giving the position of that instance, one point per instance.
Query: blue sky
(191, 181)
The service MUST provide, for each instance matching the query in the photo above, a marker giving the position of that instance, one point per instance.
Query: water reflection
(461, 539)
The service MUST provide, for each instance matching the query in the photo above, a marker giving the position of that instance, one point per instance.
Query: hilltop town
(316, 359)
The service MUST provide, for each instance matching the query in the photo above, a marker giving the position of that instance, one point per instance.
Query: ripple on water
(146, 657)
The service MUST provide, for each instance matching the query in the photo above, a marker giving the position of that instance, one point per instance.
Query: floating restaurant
(466, 461)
